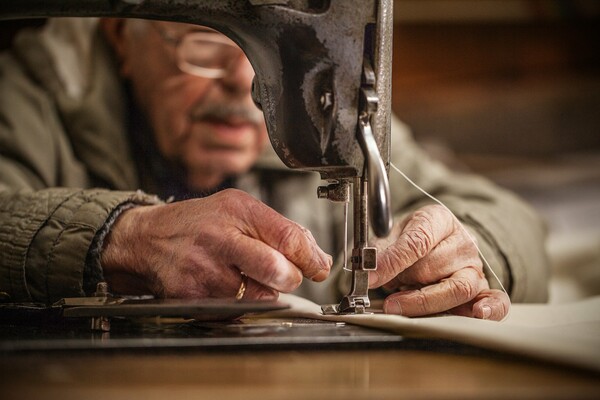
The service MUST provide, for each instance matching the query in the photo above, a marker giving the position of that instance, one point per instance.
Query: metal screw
(322, 192)
(101, 289)
(101, 323)
(326, 100)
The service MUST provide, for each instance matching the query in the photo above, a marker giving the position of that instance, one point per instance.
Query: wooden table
(288, 375)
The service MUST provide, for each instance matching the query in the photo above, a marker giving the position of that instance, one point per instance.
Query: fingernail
(392, 307)
(487, 312)
(319, 276)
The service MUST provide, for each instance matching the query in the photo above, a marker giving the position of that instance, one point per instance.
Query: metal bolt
(101, 289)
(338, 192)
(326, 100)
(322, 192)
(101, 323)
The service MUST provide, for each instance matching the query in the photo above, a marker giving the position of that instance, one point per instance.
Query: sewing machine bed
(264, 357)
(246, 333)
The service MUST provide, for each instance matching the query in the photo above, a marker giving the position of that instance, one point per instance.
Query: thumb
(292, 240)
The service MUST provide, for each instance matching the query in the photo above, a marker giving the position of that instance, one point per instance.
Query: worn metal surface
(171, 307)
(171, 334)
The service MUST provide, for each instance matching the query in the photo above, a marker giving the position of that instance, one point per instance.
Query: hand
(432, 255)
(198, 248)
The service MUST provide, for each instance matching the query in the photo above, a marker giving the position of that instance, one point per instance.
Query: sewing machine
(323, 81)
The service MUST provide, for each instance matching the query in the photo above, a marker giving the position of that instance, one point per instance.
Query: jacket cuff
(64, 241)
(92, 271)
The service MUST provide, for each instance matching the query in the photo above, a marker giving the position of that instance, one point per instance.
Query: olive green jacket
(66, 166)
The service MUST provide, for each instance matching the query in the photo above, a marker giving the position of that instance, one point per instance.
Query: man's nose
(238, 76)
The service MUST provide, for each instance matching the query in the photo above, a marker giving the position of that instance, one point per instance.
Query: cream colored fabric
(565, 333)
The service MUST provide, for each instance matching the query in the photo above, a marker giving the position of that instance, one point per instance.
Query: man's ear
(115, 33)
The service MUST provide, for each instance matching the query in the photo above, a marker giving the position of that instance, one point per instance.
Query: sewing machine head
(323, 71)
(322, 79)
(319, 65)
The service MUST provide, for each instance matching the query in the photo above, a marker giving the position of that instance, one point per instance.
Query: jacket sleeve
(510, 234)
(45, 237)
(49, 221)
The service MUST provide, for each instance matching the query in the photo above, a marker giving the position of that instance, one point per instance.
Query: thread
(485, 261)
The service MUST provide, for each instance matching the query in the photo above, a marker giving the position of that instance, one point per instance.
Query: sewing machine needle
(346, 236)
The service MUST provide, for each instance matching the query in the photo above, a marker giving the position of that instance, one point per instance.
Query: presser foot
(330, 309)
(344, 308)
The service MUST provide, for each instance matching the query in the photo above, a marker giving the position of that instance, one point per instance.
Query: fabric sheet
(565, 333)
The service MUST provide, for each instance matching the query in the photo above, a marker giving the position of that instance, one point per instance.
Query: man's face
(209, 125)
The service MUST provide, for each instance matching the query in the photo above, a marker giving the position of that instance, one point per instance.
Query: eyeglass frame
(208, 36)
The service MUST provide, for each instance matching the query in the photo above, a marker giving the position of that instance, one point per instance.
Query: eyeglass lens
(206, 53)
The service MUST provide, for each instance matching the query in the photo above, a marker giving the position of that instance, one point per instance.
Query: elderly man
(93, 110)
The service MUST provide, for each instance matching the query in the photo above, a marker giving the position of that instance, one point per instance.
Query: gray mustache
(226, 112)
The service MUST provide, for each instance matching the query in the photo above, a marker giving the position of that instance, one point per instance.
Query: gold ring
(242, 289)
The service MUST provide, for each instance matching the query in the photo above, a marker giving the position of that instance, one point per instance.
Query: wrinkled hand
(431, 258)
(197, 248)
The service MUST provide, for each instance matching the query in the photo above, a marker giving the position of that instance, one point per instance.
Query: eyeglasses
(205, 53)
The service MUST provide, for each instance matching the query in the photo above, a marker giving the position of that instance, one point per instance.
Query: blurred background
(509, 89)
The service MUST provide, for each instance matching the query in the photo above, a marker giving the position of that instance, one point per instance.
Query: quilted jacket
(66, 165)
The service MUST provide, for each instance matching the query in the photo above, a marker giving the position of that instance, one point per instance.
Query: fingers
(460, 288)
(490, 304)
(256, 291)
(295, 242)
(226, 282)
(425, 229)
(450, 255)
(433, 250)
(253, 291)
(263, 264)
(204, 243)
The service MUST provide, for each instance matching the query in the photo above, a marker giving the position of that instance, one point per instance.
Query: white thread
(485, 261)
